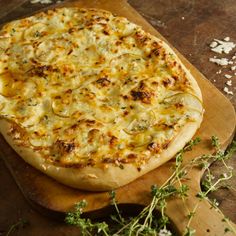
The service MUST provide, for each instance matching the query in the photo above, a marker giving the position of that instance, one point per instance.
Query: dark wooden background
(190, 26)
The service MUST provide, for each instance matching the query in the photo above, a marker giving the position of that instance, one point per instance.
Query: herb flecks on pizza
(91, 99)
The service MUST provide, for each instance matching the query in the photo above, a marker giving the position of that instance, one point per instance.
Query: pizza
(91, 99)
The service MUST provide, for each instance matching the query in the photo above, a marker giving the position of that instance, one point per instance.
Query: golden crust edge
(189, 75)
(94, 178)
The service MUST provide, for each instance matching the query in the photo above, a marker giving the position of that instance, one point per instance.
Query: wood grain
(50, 230)
(10, 5)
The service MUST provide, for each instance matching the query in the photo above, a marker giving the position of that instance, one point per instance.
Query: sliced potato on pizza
(91, 99)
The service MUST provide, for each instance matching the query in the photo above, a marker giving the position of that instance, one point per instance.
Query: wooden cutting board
(219, 119)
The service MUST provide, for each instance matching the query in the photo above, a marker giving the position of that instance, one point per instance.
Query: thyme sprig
(87, 227)
(145, 223)
(210, 183)
(21, 223)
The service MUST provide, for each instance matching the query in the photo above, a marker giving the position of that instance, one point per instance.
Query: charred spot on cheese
(132, 156)
(125, 113)
(93, 134)
(105, 32)
(19, 135)
(64, 147)
(73, 165)
(108, 160)
(179, 105)
(87, 93)
(103, 82)
(154, 52)
(141, 38)
(175, 77)
(142, 93)
(168, 82)
(15, 131)
(42, 71)
(88, 122)
(113, 141)
(91, 162)
(154, 147)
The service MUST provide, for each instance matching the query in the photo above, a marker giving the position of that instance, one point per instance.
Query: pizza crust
(109, 176)
(94, 178)
(193, 82)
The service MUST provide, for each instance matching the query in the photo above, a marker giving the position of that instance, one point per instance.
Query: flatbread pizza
(91, 99)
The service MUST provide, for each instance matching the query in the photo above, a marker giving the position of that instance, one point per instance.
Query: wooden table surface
(190, 26)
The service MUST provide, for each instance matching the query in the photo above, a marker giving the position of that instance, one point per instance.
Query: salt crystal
(228, 76)
(229, 82)
(223, 47)
(213, 44)
(226, 90)
(220, 61)
(227, 39)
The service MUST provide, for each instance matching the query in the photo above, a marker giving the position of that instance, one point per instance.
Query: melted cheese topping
(84, 87)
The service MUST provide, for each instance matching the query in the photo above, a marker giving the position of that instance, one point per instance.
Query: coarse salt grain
(221, 61)
(218, 72)
(233, 68)
(222, 46)
(229, 82)
(228, 76)
(213, 44)
(226, 90)
(227, 39)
